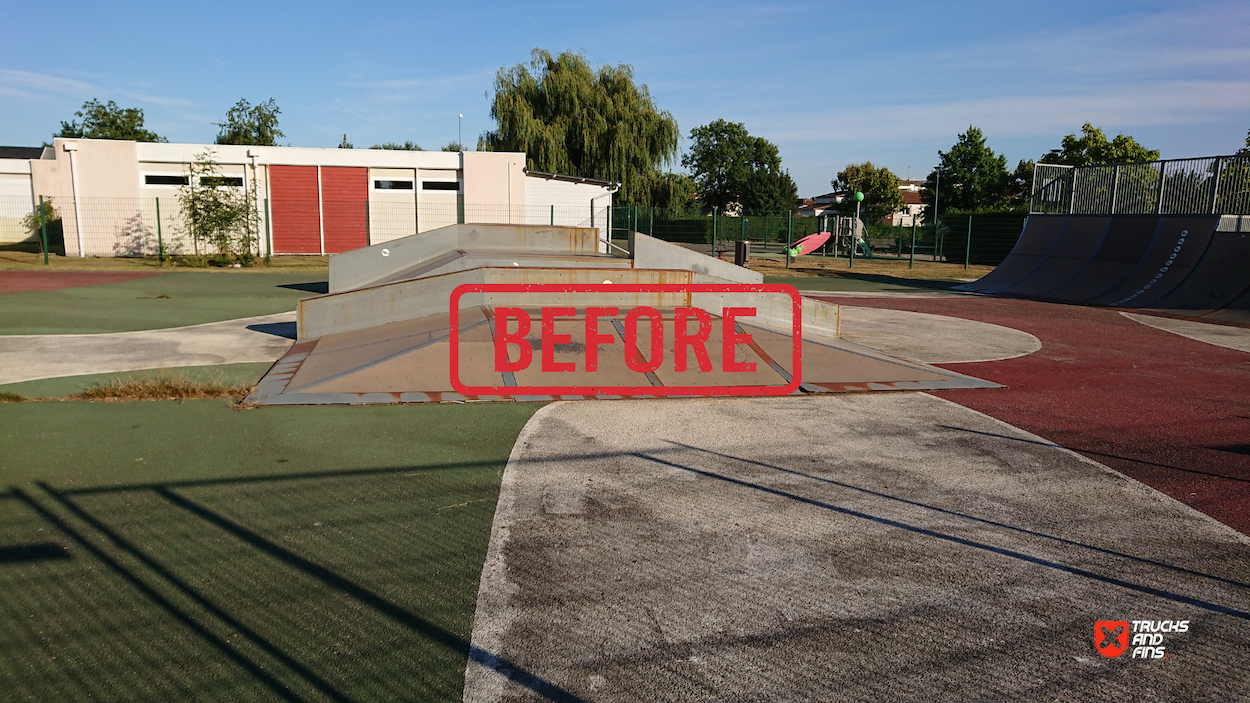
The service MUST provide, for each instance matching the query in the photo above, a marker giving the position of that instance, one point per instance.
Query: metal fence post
(160, 241)
(1215, 185)
(854, 235)
(553, 215)
(1115, 187)
(1159, 196)
(789, 235)
(268, 236)
(714, 223)
(651, 226)
(1072, 195)
(900, 238)
(43, 227)
(968, 249)
(911, 263)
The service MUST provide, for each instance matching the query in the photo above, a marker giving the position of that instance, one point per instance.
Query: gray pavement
(933, 339)
(855, 547)
(250, 339)
(1220, 335)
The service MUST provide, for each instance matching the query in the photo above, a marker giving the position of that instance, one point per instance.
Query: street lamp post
(460, 130)
(859, 198)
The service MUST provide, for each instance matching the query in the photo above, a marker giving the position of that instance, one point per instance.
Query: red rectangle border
(710, 390)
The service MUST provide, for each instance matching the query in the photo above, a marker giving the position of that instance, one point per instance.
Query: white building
(309, 201)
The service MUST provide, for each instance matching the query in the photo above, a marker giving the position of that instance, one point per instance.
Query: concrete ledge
(409, 299)
(652, 253)
(371, 264)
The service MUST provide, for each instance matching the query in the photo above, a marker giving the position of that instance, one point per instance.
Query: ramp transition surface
(409, 362)
(1192, 266)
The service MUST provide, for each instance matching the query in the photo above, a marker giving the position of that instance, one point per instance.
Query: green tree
(255, 125)
(108, 121)
(1020, 185)
(1245, 149)
(731, 166)
(453, 145)
(879, 185)
(673, 191)
(219, 216)
(1092, 147)
(973, 177)
(569, 118)
(393, 146)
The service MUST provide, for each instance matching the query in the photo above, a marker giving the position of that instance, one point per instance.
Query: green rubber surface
(193, 297)
(229, 374)
(171, 551)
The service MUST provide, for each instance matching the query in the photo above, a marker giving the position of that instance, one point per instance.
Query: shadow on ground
(286, 570)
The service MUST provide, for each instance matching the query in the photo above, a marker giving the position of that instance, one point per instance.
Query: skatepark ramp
(1165, 237)
(430, 318)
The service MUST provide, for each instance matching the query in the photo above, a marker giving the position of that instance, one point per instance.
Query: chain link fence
(962, 239)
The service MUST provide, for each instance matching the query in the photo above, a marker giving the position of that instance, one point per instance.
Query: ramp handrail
(1211, 185)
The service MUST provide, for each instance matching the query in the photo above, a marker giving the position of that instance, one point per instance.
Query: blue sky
(830, 83)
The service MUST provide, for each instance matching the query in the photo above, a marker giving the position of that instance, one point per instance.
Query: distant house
(829, 203)
(913, 206)
(817, 206)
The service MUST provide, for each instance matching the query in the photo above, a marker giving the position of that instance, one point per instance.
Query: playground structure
(1165, 237)
(383, 334)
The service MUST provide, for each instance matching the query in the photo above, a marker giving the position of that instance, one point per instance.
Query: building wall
(569, 204)
(117, 205)
(494, 187)
(16, 200)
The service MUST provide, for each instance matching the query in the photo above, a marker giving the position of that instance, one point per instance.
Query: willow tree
(569, 118)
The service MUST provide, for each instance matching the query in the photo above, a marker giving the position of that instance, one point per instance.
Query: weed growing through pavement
(162, 389)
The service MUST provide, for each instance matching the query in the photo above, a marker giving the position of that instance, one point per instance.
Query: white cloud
(29, 85)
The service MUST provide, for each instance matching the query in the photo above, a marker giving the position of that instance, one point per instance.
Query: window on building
(216, 181)
(392, 185)
(157, 180)
(440, 185)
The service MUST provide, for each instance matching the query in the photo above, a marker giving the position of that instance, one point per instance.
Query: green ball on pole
(859, 197)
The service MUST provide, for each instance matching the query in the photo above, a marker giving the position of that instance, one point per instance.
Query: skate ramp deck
(409, 362)
(387, 260)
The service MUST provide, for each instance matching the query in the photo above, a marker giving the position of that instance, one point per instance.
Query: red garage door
(296, 212)
(344, 207)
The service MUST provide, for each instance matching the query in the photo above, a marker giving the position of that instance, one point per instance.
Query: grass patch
(171, 300)
(895, 270)
(162, 389)
(7, 397)
(33, 261)
(228, 374)
(298, 552)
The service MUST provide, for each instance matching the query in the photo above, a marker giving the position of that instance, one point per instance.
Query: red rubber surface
(24, 281)
(1171, 412)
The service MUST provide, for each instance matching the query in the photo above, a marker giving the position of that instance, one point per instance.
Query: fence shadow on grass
(344, 586)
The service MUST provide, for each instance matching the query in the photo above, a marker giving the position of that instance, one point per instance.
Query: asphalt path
(251, 339)
(889, 546)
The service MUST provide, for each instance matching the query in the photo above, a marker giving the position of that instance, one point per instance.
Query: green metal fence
(959, 239)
